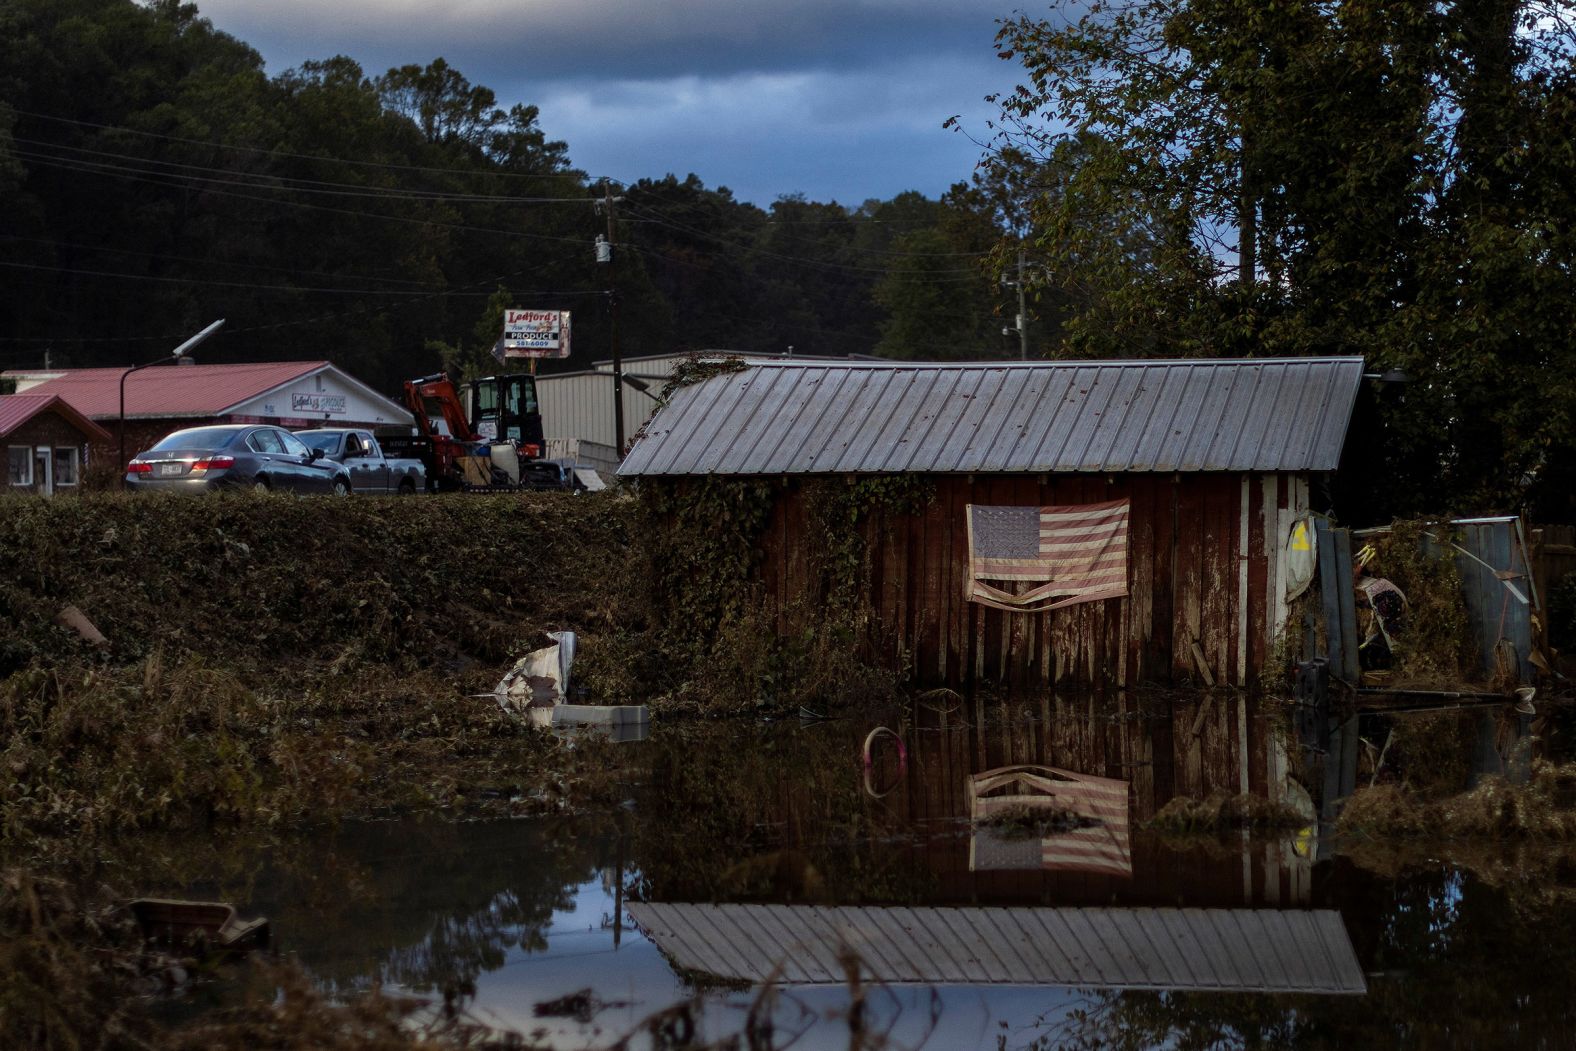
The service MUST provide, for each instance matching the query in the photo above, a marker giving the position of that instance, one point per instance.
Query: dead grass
(1022, 821)
(1495, 809)
(104, 753)
(1221, 812)
(273, 660)
(286, 1012)
(77, 977)
(67, 970)
(1435, 650)
(295, 589)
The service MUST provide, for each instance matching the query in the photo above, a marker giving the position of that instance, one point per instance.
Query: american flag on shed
(1071, 554)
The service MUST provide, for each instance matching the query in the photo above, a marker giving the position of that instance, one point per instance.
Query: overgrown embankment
(271, 660)
(718, 640)
(296, 588)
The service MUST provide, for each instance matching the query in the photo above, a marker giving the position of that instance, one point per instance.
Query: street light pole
(172, 357)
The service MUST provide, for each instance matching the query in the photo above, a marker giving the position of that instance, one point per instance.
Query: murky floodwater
(751, 853)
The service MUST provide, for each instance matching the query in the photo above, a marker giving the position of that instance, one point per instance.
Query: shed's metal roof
(1252, 414)
(1239, 950)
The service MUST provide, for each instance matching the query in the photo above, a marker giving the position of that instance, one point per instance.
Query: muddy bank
(269, 661)
(294, 590)
(268, 664)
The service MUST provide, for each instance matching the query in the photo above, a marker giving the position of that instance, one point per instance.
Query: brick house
(46, 443)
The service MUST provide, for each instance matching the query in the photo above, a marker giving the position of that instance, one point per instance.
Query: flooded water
(751, 867)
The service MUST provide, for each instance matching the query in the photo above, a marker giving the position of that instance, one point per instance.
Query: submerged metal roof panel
(1240, 950)
(1248, 414)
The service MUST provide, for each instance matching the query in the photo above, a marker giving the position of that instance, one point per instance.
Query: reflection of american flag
(1072, 554)
(1101, 848)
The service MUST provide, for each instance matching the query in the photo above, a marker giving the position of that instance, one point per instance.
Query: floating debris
(539, 680)
(200, 925)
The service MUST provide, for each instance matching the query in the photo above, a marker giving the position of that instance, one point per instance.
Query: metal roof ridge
(1059, 364)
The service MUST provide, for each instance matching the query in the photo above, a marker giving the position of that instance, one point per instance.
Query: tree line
(1172, 178)
(156, 178)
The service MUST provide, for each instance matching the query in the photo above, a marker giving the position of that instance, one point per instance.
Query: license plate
(170, 468)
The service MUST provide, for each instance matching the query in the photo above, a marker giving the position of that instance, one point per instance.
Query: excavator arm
(433, 397)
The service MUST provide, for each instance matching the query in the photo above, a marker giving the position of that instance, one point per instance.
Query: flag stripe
(1081, 555)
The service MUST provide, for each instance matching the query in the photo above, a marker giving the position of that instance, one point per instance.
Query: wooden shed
(1211, 462)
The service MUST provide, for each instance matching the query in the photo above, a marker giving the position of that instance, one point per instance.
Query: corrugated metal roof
(173, 390)
(1239, 950)
(1264, 414)
(17, 409)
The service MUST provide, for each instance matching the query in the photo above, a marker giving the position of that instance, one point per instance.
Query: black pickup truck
(370, 470)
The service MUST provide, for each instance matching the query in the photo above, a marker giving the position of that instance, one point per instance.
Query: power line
(579, 177)
(935, 275)
(437, 224)
(801, 260)
(359, 308)
(272, 181)
(207, 261)
(255, 287)
(157, 177)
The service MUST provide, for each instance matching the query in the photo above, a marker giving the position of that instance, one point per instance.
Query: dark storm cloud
(832, 98)
(554, 39)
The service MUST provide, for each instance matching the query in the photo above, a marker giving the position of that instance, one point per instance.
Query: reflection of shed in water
(1163, 759)
(1210, 461)
(1100, 847)
(1162, 746)
(1213, 950)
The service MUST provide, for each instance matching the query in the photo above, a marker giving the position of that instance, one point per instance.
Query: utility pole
(1021, 325)
(1023, 313)
(605, 254)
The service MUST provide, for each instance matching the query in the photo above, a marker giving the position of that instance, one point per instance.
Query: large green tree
(1388, 179)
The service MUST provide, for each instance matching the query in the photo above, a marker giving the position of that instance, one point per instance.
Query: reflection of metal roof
(1237, 950)
(1266, 414)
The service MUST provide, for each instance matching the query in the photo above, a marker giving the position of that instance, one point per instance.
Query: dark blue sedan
(244, 456)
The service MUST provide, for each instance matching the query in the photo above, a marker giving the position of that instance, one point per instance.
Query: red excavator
(476, 450)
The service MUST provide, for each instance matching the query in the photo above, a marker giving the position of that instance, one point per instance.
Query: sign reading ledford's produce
(536, 334)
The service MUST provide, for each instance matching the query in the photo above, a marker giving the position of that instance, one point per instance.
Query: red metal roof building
(168, 397)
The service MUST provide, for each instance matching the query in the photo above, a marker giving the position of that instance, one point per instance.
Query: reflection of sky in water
(522, 911)
(637, 982)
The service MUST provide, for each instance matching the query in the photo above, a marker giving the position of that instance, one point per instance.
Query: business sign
(318, 403)
(535, 334)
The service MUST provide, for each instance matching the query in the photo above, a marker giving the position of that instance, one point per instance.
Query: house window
(20, 462)
(66, 464)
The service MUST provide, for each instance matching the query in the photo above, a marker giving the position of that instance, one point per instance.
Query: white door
(44, 470)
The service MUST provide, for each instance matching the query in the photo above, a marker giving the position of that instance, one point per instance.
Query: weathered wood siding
(1203, 564)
